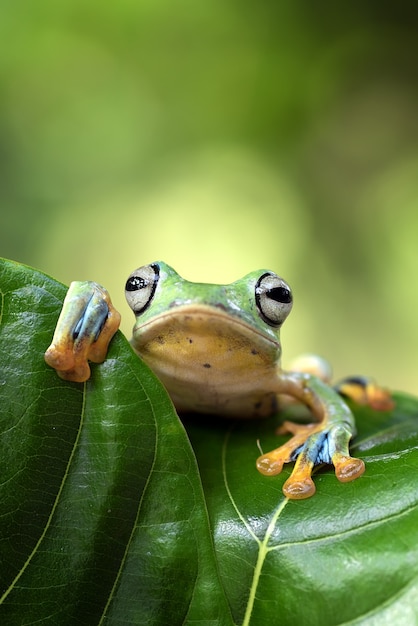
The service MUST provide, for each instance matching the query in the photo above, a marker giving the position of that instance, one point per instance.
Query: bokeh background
(222, 136)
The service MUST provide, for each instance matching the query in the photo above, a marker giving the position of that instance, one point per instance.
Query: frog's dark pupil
(279, 294)
(135, 283)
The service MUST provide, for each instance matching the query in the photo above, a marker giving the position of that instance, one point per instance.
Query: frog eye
(140, 287)
(273, 297)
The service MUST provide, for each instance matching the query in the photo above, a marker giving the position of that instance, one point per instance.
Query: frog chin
(203, 333)
(206, 358)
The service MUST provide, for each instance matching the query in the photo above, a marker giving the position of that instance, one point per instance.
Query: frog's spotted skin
(216, 348)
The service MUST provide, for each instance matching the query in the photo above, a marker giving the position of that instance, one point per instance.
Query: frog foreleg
(326, 441)
(84, 329)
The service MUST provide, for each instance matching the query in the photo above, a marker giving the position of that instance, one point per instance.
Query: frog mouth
(186, 321)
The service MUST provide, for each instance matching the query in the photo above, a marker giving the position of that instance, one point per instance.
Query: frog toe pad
(311, 445)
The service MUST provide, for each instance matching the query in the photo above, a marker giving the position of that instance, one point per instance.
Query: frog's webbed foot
(311, 445)
(366, 392)
(84, 329)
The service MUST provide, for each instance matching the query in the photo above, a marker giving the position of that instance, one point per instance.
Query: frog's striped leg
(324, 442)
(84, 329)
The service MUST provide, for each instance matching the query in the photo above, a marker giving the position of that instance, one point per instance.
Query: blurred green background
(222, 136)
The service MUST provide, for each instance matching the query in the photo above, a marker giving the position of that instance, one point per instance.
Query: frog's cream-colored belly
(212, 364)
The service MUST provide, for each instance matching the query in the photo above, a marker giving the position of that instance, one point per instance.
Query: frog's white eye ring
(140, 287)
(273, 298)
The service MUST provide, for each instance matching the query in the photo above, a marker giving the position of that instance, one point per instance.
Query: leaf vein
(54, 506)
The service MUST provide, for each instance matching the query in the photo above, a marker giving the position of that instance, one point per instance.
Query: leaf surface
(349, 554)
(102, 512)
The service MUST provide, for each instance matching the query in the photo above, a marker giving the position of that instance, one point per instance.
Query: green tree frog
(216, 349)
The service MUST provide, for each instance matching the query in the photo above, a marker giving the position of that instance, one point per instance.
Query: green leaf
(103, 518)
(348, 554)
(102, 513)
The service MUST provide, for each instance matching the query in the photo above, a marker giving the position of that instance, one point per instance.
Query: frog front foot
(311, 445)
(84, 329)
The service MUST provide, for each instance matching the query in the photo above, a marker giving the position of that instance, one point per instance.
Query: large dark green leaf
(102, 513)
(103, 518)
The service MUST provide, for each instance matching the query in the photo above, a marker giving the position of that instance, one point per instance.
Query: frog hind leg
(84, 329)
(366, 392)
(326, 441)
(361, 389)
